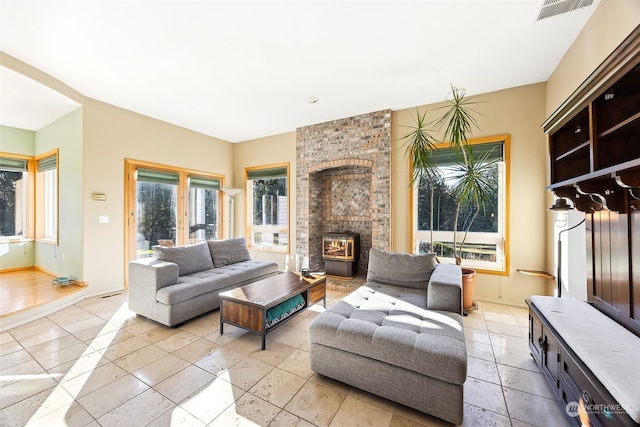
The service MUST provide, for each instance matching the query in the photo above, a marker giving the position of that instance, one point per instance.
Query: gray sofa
(400, 335)
(183, 282)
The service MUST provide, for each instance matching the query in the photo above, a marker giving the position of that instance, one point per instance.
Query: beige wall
(259, 152)
(610, 24)
(518, 112)
(111, 135)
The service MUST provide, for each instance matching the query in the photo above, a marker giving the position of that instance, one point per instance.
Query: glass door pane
(156, 216)
(203, 214)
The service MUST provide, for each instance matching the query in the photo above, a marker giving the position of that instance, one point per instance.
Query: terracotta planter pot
(468, 284)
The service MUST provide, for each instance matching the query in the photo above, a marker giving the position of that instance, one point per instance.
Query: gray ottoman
(383, 339)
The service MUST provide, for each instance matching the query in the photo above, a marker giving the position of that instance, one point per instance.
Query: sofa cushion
(190, 258)
(230, 251)
(215, 279)
(381, 327)
(393, 268)
(416, 298)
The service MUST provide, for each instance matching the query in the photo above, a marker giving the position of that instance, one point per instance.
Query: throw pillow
(393, 268)
(190, 258)
(230, 251)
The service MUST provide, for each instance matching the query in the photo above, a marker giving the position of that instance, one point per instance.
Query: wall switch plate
(103, 219)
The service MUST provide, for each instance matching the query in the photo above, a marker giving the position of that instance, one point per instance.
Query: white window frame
(48, 197)
(51, 204)
(196, 207)
(282, 229)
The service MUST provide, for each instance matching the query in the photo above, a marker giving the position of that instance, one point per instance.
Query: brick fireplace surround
(343, 182)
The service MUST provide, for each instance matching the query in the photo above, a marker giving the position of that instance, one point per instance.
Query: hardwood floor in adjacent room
(22, 290)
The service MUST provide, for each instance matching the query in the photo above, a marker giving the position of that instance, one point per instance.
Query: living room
(95, 139)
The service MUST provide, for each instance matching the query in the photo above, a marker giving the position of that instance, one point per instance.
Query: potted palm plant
(471, 181)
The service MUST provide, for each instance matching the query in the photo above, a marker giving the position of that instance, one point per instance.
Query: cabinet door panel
(535, 337)
(634, 309)
(551, 359)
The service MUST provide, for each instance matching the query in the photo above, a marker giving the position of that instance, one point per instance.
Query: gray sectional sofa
(182, 282)
(400, 335)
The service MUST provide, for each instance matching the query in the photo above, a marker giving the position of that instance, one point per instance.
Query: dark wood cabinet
(570, 149)
(594, 156)
(596, 132)
(570, 379)
(545, 350)
(594, 160)
(535, 335)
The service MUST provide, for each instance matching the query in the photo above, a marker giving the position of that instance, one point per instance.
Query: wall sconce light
(231, 192)
(99, 197)
(560, 210)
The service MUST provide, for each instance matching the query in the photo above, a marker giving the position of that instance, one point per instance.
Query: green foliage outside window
(156, 211)
(444, 203)
(266, 196)
(8, 203)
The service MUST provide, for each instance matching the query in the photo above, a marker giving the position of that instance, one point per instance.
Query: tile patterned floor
(98, 364)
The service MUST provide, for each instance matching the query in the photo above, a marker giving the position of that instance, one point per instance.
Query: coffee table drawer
(317, 293)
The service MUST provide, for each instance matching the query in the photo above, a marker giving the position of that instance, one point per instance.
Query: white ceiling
(239, 70)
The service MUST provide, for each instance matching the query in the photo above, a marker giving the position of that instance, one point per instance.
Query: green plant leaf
(419, 145)
(458, 118)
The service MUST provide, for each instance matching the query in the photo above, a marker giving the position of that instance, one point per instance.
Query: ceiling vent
(551, 8)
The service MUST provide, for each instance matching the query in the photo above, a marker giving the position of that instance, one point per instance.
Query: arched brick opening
(343, 183)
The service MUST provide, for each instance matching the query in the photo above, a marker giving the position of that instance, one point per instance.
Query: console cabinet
(570, 379)
(545, 350)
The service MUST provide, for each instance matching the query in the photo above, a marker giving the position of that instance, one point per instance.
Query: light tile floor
(96, 363)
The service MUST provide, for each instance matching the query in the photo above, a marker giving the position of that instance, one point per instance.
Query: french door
(168, 206)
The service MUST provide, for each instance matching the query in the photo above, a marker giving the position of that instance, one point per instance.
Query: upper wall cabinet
(570, 149)
(594, 137)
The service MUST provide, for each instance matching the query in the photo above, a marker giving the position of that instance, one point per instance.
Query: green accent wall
(65, 134)
(17, 141)
(17, 254)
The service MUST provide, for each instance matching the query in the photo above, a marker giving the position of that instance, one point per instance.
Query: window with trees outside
(15, 193)
(156, 209)
(170, 206)
(268, 207)
(434, 206)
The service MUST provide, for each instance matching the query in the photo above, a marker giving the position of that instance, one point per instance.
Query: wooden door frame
(182, 228)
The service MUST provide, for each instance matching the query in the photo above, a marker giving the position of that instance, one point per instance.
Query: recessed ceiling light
(312, 100)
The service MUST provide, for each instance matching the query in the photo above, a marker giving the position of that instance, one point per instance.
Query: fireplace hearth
(341, 251)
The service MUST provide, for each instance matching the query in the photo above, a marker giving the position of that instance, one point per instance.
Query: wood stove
(340, 252)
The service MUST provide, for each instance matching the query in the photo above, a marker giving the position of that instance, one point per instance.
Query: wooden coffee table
(246, 306)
